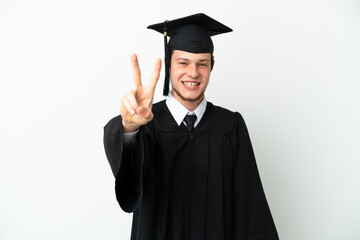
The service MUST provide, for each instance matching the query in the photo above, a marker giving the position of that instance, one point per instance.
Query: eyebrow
(185, 59)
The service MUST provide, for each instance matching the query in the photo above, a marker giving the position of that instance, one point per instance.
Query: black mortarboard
(190, 34)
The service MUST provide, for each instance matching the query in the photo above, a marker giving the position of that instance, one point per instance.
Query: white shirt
(178, 111)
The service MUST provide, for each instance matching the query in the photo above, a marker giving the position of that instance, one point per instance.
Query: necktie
(190, 120)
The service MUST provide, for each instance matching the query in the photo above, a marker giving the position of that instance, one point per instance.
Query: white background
(290, 67)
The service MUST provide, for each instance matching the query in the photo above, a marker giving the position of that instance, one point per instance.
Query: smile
(191, 84)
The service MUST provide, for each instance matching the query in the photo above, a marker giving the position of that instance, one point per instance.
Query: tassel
(167, 62)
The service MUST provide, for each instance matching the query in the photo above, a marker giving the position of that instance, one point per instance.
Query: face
(189, 73)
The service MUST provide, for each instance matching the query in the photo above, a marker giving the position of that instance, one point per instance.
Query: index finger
(135, 70)
(155, 75)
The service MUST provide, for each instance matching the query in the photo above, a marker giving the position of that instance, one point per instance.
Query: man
(184, 166)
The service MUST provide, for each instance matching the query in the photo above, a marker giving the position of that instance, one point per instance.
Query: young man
(184, 166)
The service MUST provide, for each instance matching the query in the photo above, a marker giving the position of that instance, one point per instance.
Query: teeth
(190, 84)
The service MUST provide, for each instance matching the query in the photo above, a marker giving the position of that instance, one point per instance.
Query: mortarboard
(191, 34)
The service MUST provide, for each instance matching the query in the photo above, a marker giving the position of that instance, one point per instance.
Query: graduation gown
(195, 185)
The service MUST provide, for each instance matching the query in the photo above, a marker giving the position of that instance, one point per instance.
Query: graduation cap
(191, 34)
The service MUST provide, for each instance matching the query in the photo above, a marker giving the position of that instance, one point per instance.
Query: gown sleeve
(126, 161)
(251, 214)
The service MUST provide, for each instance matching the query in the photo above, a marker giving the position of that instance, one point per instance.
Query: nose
(193, 71)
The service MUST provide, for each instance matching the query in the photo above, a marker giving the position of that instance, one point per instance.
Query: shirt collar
(178, 111)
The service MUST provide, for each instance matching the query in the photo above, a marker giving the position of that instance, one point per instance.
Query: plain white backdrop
(291, 68)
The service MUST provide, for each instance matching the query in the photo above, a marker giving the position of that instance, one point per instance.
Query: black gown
(194, 185)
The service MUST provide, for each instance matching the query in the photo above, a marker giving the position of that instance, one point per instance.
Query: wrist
(128, 127)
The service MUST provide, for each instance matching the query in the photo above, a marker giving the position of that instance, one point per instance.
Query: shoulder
(160, 110)
(223, 113)
(221, 120)
(163, 120)
(218, 110)
(159, 106)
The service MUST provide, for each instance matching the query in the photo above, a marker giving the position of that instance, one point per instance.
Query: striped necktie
(190, 120)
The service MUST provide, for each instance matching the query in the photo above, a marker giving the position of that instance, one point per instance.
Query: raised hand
(135, 108)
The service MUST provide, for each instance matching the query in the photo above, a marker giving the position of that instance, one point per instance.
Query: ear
(212, 64)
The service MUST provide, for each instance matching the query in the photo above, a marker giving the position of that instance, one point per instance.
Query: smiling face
(189, 73)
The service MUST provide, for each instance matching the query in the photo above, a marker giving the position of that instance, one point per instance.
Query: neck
(190, 104)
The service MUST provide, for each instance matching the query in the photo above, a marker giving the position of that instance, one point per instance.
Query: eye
(183, 63)
(203, 65)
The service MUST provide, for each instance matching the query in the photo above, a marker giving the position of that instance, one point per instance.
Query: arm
(126, 159)
(252, 217)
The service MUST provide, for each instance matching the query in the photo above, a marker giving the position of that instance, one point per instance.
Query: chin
(189, 97)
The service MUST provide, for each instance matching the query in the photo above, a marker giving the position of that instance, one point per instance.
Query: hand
(135, 108)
